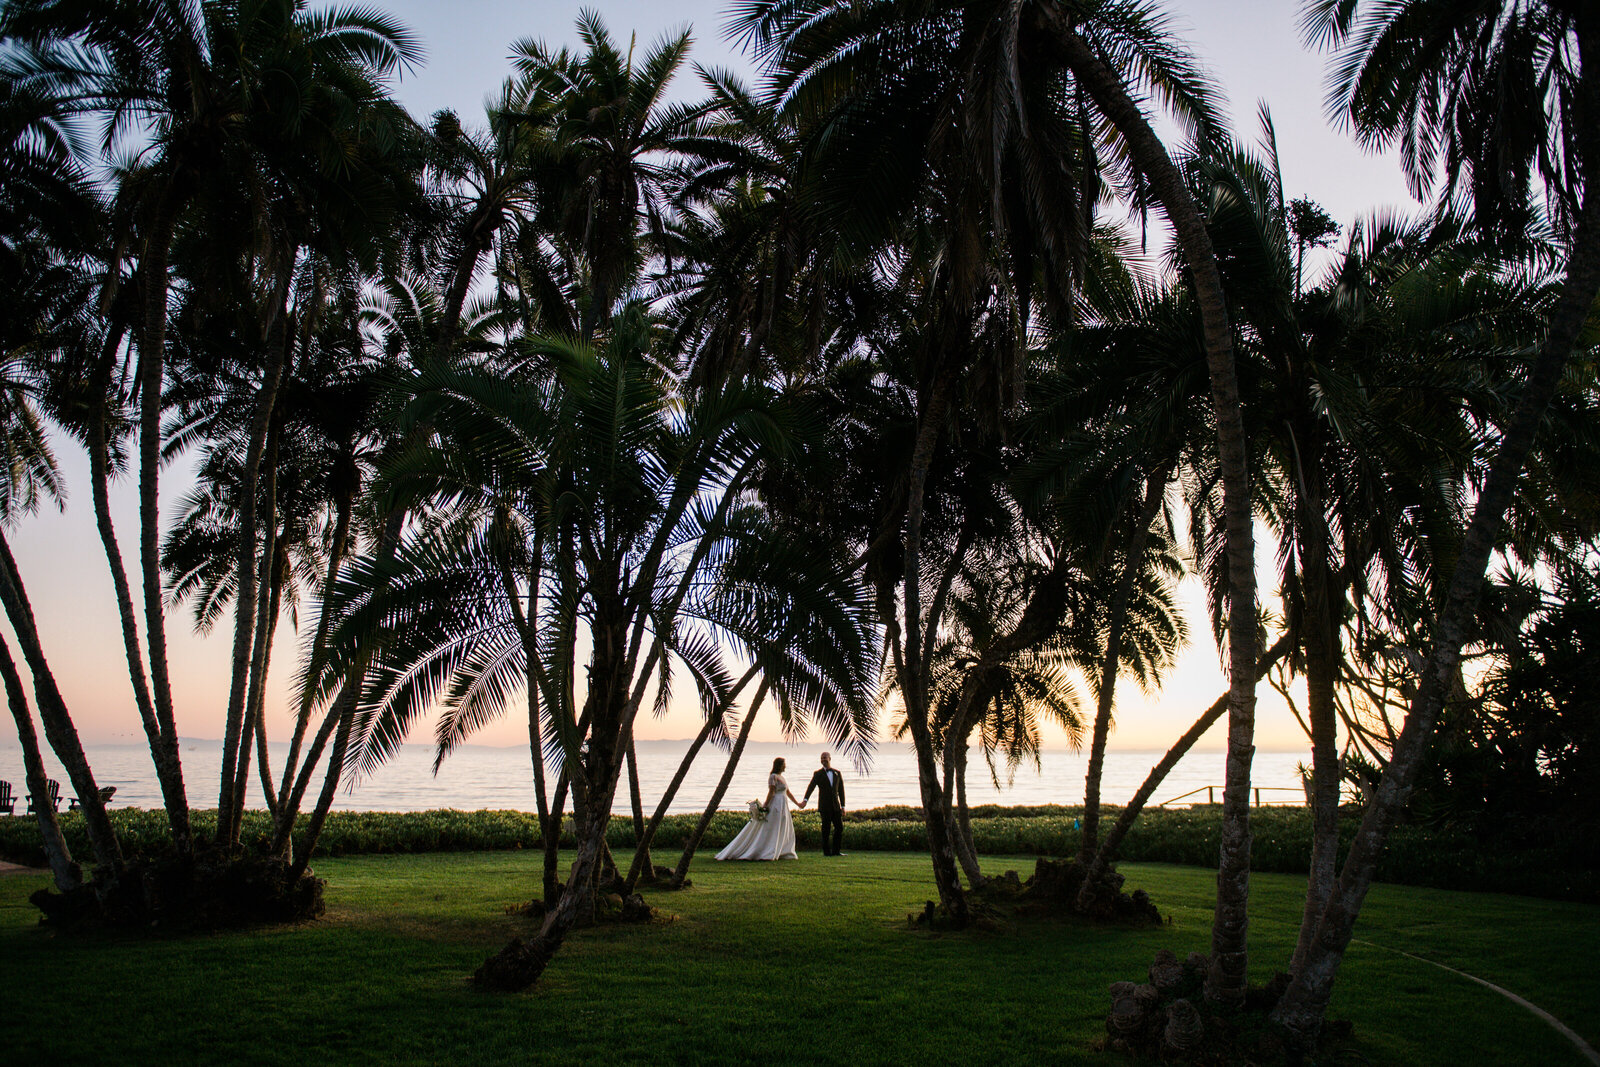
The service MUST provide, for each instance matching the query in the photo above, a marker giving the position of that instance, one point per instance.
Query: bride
(770, 837)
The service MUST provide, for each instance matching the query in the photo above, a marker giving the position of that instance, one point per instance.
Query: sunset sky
(1252, 48)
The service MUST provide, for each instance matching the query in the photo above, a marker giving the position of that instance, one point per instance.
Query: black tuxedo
(829, 787)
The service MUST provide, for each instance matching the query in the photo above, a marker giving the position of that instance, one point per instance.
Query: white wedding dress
(769, 839)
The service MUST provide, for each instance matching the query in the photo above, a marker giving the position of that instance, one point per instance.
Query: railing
(1296, 800)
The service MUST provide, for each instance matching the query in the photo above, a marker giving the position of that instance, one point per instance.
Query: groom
(829, 785)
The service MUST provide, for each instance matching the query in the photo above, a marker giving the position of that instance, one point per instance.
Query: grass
(806, 961)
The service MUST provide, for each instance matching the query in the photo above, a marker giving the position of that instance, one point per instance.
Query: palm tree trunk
(152, 356)
(67, 874)
(169, 771)
(345, 505)
(1158, 774)
(689, 847)
(245, 608)
(266, 631)
(343, 718)
(641, 854)
(912, 666)
(1321, 645)
(519, 964)
(58, 727)
(289, 803)
(1305, 1002)
(552, 842)
(961, 823)
(254, 728)
(1229, 956)
(346, 713)
(642, 845)
(527, 630)
(1154, 492)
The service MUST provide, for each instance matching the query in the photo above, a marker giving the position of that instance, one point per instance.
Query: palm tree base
(1058, 886)
(662, 878)
(517, 966)
(979, 915)
(1168, 1018)
(167, 892)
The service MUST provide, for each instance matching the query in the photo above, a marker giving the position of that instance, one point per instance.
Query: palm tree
(1437, 79)
(638, 507)
(1118, 409)
(745, 271)
(51, 219)
(40, 319)
(610, 139)
(198, 85)
(974, 67)
(1367, 378)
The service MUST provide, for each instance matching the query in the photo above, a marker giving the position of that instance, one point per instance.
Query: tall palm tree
(1370, 378)
(51, 224)
(637, 501)
(1485, 96)
(1006, 80)
(199, 87)
(611, 136)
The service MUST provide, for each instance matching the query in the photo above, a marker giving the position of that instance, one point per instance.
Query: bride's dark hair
(777, 765)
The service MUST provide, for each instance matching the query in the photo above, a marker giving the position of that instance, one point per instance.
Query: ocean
(477, 776)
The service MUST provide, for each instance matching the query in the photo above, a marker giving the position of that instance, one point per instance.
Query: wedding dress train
(768, 839)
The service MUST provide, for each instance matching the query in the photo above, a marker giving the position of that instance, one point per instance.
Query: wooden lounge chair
(55, 797)
(8, 801)
(105, 798)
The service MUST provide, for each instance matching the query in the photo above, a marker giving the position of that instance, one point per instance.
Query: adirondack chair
(55, 797)
(8, 801)
(105, 797)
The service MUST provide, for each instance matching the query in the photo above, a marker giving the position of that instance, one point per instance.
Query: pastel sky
(1253, 49)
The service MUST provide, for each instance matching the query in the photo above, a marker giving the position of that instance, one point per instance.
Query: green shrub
(1416, 855)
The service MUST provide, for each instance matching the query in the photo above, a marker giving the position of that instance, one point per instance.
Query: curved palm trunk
(345, 505)
(260, 656)
(1229, 959)
(552, 842)
(235, 742)
(1154, 491)
(681, 872)
(520, 964)
(641, 854)
(266, 630)
(549, 812)
(343, 713)
(1158, 774)
(1322, 652)
(970, 705)
(58, 727)
(289, 802)
(340, 719)
(169, 771)
(66, 873)
(641, 844)
(1305, 1002)
(961, 820)
(152, 356)
(912, 664)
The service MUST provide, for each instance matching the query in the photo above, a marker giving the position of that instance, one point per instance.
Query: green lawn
(805, 961)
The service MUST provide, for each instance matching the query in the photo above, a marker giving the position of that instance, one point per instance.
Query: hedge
(1416, 855)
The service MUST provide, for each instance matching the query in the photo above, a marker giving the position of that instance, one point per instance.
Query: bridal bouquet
(757, 812)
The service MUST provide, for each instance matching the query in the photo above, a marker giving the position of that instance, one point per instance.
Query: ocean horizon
(495, 777)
